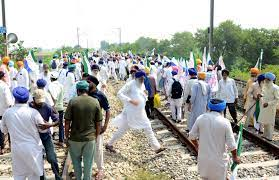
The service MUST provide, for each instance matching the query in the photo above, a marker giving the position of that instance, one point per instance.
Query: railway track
(260, 158)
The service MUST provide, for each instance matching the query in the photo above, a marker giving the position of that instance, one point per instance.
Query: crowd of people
(64, 94)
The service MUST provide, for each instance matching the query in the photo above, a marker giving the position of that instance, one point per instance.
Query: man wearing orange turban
(22, 76)
(5, 68)
(247, 99)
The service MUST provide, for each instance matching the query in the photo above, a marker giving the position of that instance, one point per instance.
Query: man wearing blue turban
(268, 105)
(215, 136)
(22, 123)
(133, 115)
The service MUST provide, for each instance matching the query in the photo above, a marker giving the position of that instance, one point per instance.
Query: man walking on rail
(249, 99)
(83, 117)
(47, 112)
(199, 98)
(228, 91)
(214, 133)
(6, 102)
(133, 114)
(102, 99)
(22, 123)
(269, 102)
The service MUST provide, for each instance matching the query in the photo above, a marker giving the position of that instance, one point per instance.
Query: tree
(104, 45)
(182, 44)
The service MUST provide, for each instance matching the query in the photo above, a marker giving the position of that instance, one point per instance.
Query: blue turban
(174, 73)
(261, 77)
(192, 72)
(216, 105)
(21, 94)
(270, 76)
(134, 62)
(11, 63)
(65, 64)
(140, 74)
(41, 83)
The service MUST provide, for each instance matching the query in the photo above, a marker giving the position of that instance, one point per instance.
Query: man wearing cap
(215, 137)
(102, 99)
(56, 92)
(200, 95)
(188, 91)
(5, 68)
(176, 100)
(69, 82)
(41, 84)
(82, 123)
(22, 123)
(268, 105)
(47, 112)
(227, 90)
(6, 102)
(22, 76)
(62, 73)
(247, 99)
(95, 72)
(133, 115)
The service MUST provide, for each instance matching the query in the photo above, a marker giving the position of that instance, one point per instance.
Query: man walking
(228, 92)
(269, 102)
(6, 102)
(215, 135)
(22, 123)
(47, 112)
(83, 118)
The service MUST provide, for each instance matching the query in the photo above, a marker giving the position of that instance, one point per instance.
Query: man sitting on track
(214, 132)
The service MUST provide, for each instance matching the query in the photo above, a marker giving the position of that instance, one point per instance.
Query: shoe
(178, 121)
(160, 150)
(174, 120)
(110, 148)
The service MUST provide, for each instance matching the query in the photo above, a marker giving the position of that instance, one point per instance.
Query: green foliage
(146, 175)
(19, 52)
(274, 69)
(240, 47)
(2, 45)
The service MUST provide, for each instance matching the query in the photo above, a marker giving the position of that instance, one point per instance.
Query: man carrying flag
(214, 133)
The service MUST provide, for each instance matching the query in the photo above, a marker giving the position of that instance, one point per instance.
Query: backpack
(53, 64)
(176, 90)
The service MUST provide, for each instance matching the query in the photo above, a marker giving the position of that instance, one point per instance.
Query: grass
(146, 175)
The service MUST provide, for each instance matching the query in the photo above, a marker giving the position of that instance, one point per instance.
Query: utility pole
(4, 26)
(210, 31)
(119, 36)
(78, 36)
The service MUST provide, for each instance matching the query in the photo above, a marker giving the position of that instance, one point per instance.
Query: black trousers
(149, 107)
(232, 110)
(2, 138)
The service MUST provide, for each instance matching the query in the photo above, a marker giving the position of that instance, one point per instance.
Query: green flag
(33, 55)
(86, 64)
(238, 151)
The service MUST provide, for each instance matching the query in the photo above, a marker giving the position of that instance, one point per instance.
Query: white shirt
(227, 90)
(22, 78)
(214, 133)
(21, 122)
(62, 76)
(57, 93)
(5, 96)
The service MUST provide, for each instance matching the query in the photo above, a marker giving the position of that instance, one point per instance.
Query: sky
(53, 23)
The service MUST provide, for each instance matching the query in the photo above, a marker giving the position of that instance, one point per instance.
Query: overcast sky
(53, 23)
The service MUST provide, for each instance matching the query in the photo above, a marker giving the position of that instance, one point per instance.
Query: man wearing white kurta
(133, 115)
(69, 83)
(6, 102)
(22, 122)
(13, 72)
(22, 76)
(214, 133)
(268, 104)
(122, 69)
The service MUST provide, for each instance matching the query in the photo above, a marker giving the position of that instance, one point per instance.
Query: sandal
(160, 150)
(110, 148)
(99, 175)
